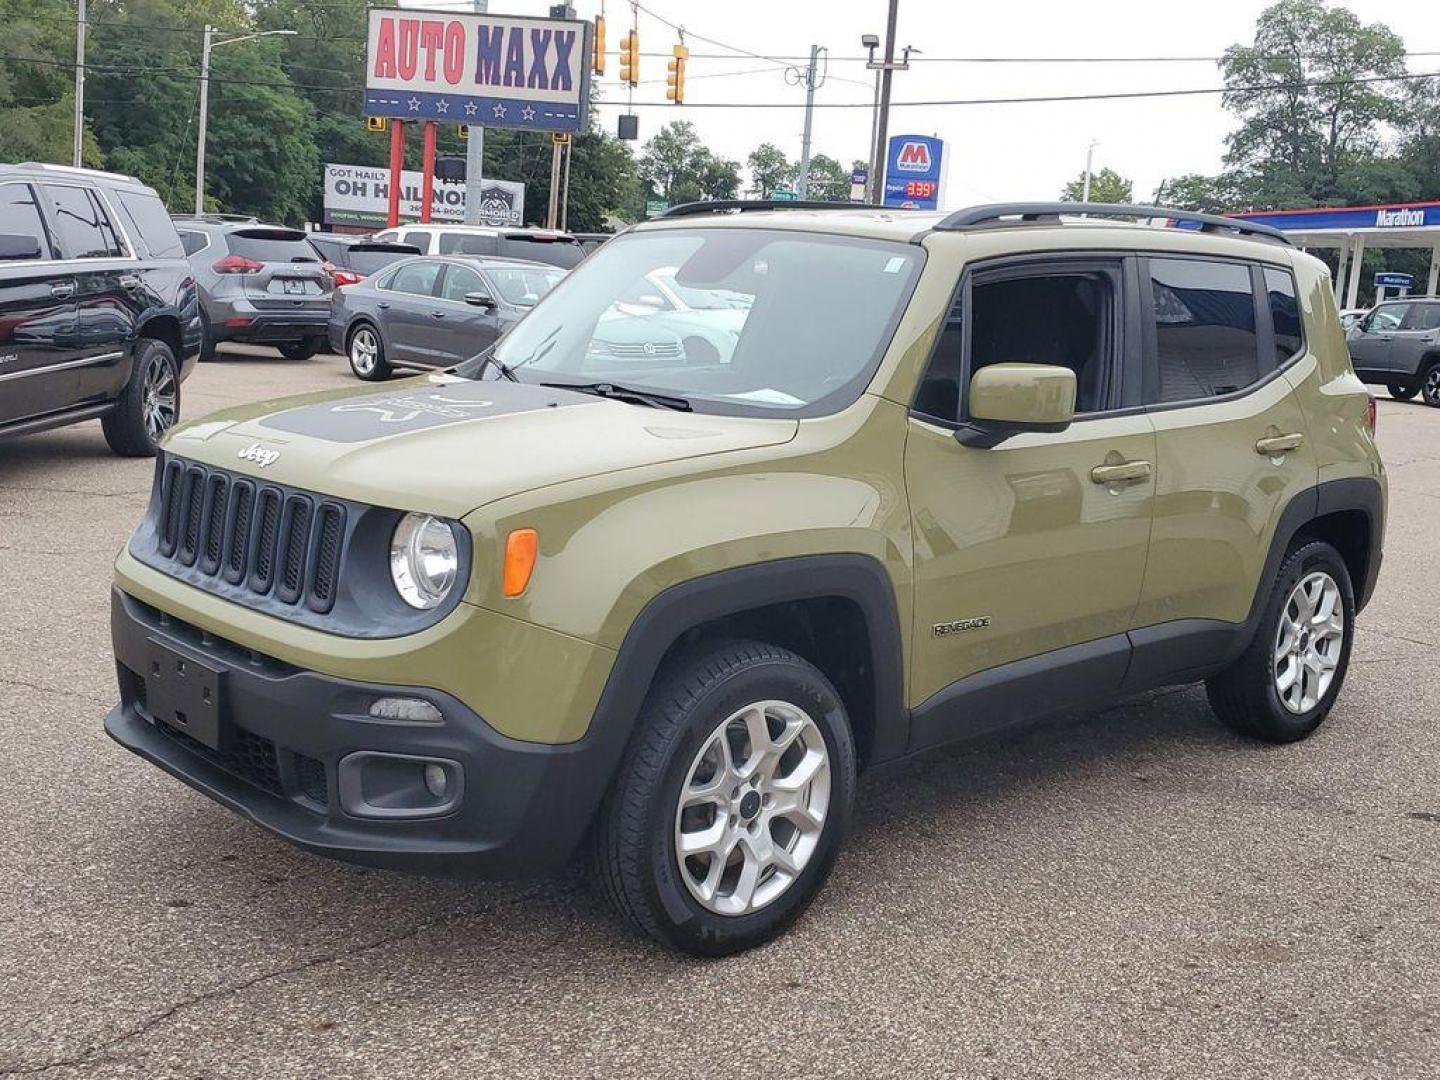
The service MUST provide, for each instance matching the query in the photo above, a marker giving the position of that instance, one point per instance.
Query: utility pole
(79, 83)
(210, 44)
(1089, 162)
(871, 42)
(475, 154)
(886, 69)
(802, 186)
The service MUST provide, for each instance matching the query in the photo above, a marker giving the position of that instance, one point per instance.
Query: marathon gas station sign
(914, 172)
(491, 70)
(1354, 218)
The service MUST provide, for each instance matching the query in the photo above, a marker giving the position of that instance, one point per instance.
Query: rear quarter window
(149, 219)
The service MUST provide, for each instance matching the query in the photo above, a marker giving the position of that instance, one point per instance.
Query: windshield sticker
(895, 265)
(373, 416)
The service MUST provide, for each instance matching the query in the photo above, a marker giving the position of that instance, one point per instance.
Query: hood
(446, 445)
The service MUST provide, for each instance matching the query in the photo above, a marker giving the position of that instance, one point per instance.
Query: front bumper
(523, 807)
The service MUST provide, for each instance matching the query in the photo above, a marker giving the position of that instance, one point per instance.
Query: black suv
(98, 309)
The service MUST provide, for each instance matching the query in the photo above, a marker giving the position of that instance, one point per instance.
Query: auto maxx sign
(495, 70)
(359, 195)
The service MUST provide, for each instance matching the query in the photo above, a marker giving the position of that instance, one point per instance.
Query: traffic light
(464, 131)
(675, 81)
(598, 58)
(630, 58)
(376, 123)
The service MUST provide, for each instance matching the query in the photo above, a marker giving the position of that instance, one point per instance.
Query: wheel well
(164, 328)
(1348, 532)
(350, 330)
(828, 631)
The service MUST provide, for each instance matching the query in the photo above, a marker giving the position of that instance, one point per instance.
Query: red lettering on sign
(408, 55)
(432, 36)
(454, 52)
(385, 50)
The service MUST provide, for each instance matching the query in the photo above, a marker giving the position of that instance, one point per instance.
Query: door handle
(383, 304)
(62, 290)
(437, 314)
(1275, 445)
(1126, 472)
(129, 281)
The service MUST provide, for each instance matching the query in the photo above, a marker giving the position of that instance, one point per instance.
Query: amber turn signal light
(520, 549)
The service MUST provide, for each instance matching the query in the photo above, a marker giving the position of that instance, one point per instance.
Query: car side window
(1284, 314)
(1385, 317)
(417, 278)
(20, 215)
(84, 229)
(460, 280)
(458, 243)
(151, 222)
(1421, 317)
(417, 239)
(1206, 342)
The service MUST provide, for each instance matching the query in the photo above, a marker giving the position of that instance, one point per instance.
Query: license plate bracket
(185, 693)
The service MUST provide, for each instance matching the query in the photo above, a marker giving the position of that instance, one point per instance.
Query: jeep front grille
(268, 540)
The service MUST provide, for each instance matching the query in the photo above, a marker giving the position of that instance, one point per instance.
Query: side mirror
(479, 299)
(19, 246)
(1006, 399)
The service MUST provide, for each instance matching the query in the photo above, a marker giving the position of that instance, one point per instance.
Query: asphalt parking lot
(1131, 894)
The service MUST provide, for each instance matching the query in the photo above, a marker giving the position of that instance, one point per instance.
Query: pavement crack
(21, 684)
(100, 1052)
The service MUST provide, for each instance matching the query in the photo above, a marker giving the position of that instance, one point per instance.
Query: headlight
(424, 560)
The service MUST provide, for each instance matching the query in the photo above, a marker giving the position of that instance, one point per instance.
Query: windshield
(523, 286)
(742, 321)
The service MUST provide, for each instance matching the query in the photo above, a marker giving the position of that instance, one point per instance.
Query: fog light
(436, 780)
(406, 709)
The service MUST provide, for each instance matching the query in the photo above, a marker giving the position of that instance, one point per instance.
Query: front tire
(1402, 393)
(1283, 686)
(366, 351)
(148, 406)
(303, 349)
(1430, 384)
(732, 802)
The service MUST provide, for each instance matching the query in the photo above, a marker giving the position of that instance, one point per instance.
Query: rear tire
(303, 349)
(743, 754)
(207, 339)
(1284, 684)
(365, 349)
(1402, 393)
(1430, 384)
(148, 406)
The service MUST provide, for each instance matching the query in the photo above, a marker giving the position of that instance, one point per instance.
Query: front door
(1025, 552)
(461, 330)
(1371, 344)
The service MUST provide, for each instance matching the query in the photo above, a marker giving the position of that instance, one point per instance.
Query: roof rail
(79, 170)
(215, 217)
(716, 206)
(995, 215)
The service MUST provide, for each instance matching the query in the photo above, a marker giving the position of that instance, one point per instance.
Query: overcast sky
(1018, 151)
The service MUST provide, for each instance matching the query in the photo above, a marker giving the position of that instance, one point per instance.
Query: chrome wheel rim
(753, 808)
(1432, 386)
(158, 398)
(364, 351)
(1308, 642)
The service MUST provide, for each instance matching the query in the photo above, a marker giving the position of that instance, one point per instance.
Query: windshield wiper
(625, 393)
(487, 358)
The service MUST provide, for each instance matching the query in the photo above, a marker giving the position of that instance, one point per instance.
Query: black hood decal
(398, 412)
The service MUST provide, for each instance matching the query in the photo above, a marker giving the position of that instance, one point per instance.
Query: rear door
(107, 288)
(461, 330)
(405, 305)
(1231, 439)
(37, 316)
(291, 277)
(1415, 339)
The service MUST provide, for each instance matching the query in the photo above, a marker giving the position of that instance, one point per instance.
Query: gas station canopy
(1352, 229)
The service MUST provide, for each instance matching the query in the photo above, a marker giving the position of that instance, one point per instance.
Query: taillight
(237, 264)
(1372, 414)
(340, 276)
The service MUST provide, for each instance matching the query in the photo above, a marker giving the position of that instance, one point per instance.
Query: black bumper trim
(526, 806)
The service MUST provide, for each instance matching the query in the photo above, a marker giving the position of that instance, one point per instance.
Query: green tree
(1106, 186)
(769, 169)
(679, 168)
(828, 179)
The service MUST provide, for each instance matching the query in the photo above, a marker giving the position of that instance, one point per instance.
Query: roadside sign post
(427, 182)
(397, 166)
(475, 154)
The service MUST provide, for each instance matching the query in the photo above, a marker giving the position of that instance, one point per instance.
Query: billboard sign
(914, 171)
(495, 70)
(360, 195)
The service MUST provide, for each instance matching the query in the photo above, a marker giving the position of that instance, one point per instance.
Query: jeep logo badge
(259, 455)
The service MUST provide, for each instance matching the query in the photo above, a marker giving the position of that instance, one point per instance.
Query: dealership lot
(1133, 893)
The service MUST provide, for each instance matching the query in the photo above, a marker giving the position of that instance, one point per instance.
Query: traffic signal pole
(882, 125)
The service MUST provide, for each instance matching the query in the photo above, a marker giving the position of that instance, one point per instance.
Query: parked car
(1398, 345)
(534, 245)
(432, 312)
(351, 259)
(98, 310)
(961, 472)
(592, 240)
(259, 284)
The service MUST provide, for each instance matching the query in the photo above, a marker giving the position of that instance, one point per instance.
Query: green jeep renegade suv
(660, 588)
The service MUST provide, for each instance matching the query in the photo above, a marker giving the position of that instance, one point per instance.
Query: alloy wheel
(159, 397)
(752, 808)
(1308, 642)
(364, 351)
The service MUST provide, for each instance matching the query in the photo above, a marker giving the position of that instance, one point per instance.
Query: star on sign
(499, 111)
(442, 106)
(528, 113)
(470, 108)
(414, 104)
